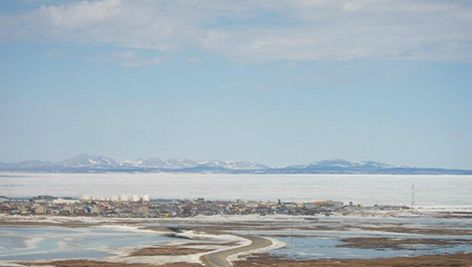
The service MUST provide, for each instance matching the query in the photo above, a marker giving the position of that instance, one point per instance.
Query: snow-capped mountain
(340, 164)
(96, 163)
(169, 163)
(131, 163)
(88, 160)
(232, 165)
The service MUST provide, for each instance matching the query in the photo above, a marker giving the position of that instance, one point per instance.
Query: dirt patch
(166, 250)
(71, 224)
(90, 263)
(83, 263)
(390, 243)
(264, 260)
(455, 214)
(294, 235)
(233, 243)
(41, 221)
(179, 264)
(423, 231)
(157, 228)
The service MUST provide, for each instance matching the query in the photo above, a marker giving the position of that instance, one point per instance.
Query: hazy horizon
(278, 83)
(199, 161)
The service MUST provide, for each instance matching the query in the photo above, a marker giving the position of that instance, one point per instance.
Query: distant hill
(340, 166)
(94, 163)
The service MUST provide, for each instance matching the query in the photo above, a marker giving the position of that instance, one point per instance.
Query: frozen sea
(430, 190)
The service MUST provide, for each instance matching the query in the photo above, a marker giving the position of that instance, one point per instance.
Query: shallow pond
(49, 242)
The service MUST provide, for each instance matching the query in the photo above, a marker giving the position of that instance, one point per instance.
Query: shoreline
(222, 240)
(447, 260)
(225, 257)
(261, 260)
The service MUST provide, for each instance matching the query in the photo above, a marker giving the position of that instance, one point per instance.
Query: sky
(275, 82)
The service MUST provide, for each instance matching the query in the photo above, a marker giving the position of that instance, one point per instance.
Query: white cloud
(259, 30)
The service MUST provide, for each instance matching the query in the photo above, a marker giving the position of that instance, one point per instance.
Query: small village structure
(144, 207)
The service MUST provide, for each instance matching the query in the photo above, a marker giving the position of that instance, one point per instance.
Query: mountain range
(95, 163)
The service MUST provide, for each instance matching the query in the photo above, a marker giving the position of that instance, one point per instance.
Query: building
(40, 209)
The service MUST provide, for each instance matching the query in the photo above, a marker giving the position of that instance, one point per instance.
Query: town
(145, 207)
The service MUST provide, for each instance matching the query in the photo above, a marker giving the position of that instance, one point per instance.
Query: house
(95, 210)
(329, 204)
(40, 209)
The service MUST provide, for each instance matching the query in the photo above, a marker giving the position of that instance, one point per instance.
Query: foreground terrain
(423, 238)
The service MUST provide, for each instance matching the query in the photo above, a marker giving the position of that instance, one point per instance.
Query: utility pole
(412, 195)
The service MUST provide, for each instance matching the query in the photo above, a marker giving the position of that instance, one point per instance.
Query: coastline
(244, 241)
(452, 260)
(225, 257)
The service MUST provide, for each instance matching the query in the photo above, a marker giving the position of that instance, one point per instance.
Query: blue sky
(273, 82)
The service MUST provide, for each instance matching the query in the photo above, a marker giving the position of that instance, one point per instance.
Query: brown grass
(389, 243)
(166, 250)
(453, 260)
(91, 263)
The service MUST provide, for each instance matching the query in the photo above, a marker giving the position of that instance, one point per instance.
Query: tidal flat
(355, 240)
